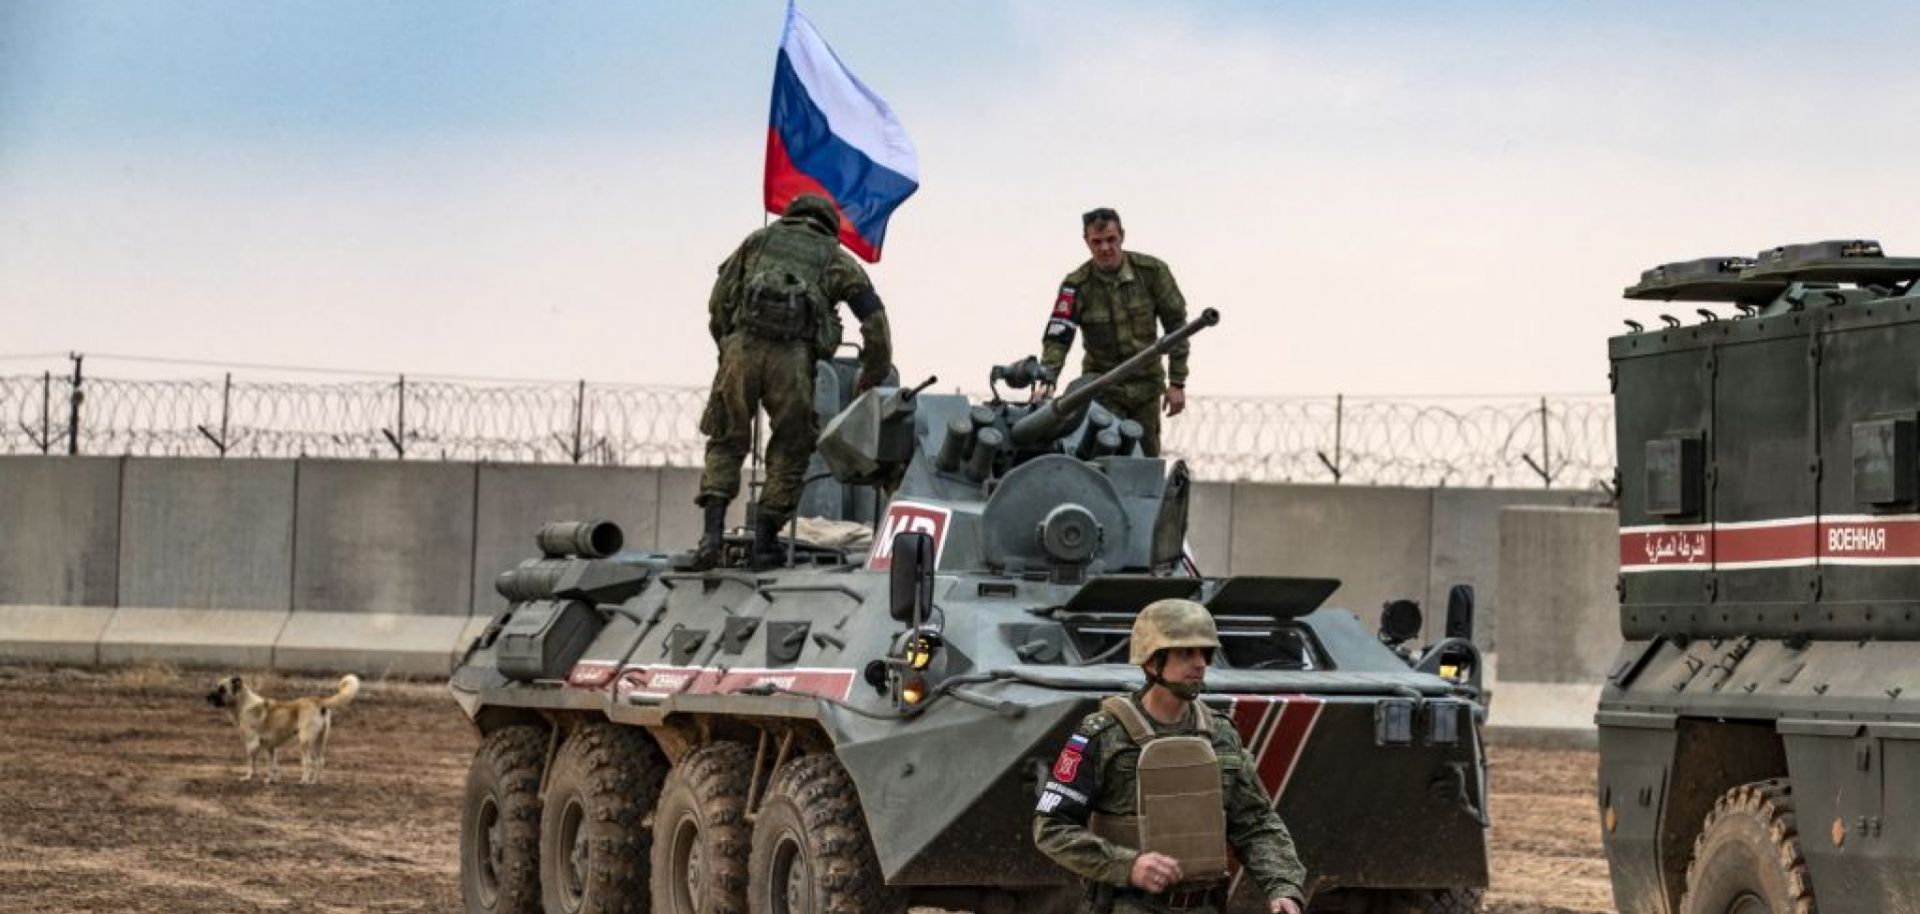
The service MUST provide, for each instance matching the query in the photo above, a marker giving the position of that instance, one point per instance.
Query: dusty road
(120, 792)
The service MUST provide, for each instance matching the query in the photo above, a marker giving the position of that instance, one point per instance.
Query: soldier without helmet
(1115, 299)
(1123, 810)
(772, 315)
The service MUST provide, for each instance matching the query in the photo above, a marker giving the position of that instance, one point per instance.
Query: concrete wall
(1382, 543)
(325, 556)
(1466, 550)
(60, 530)
(513, 501)
(377, 536)
(207, 534)
(1557, 572)
(1376, 540)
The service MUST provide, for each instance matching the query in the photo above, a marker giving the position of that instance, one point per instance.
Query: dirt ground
(120, 792)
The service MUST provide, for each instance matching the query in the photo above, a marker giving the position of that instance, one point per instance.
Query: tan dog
(266, 724)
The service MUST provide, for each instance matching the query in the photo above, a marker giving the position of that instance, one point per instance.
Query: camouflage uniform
(1101, 779)
(1119, 311)
(758, 371)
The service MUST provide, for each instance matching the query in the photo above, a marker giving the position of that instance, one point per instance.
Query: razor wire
(1561, 442)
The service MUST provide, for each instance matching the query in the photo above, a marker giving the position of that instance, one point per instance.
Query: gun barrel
(1044, 424)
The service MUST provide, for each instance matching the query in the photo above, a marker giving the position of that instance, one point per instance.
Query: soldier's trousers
(755, 373)
(1142, 405)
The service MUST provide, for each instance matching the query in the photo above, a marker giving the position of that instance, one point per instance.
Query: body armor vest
(1179, 809)
(783, 296)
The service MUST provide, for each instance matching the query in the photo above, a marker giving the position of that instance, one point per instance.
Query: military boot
(768, 551)
(711, 553)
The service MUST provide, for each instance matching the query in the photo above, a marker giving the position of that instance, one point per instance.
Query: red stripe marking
(663, 681)
(1893, 539)
(1277, 759)
(1693, 546)
(1860, 539)
(1246, 713)
(1764, 544)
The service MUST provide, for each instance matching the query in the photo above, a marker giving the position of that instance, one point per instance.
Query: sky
(1380, 198)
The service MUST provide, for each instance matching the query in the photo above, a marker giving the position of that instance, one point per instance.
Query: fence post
(579, 418)
(1339, 421)
(1546, 446)
(399, 438)
(46, 412)
(74, 396)
(220, 442)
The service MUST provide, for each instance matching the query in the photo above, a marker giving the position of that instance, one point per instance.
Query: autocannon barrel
(1049, 420)
(588, 539)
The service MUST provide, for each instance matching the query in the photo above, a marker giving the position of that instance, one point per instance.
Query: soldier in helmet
(772, 315)
(1123, 808)
(1116, 298)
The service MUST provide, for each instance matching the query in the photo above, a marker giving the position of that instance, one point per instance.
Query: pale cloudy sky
(1379, 197)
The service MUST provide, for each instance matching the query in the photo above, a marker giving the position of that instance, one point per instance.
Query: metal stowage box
(543, 638)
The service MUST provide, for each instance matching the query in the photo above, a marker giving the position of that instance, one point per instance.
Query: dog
(266, 725)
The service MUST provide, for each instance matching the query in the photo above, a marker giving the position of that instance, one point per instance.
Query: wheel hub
(690, 861)
(573, 850)
(1748, 903)
(791, 874)
(489, 857)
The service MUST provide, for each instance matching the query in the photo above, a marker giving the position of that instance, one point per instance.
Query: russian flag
(831, 135)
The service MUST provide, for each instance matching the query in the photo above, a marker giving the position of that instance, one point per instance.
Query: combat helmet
(1168, 624)
(816, 210)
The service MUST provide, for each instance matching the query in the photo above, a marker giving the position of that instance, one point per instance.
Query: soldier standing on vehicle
(772, 315)
(1127, 807)
(1116, 298)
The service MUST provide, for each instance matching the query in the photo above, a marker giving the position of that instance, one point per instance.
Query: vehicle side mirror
(912, 577)
(1460, 612)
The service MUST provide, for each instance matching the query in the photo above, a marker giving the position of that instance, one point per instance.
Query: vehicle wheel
(701, 835)
(1453, 901)
(1436, 901)
(811, 851)
(594, 839)
(500, 824)
(1747, 859)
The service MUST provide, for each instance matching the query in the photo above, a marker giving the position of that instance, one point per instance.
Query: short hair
(1100, 214)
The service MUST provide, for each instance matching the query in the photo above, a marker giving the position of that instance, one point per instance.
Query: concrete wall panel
(679, 518)
(373, 645)
(384, 537)
(220, 638)
(1210, 526)
(1466, 550)
(59, 530)
(1374, 539)
(513, 501)
(1560, 619)
(207, 534)
(52, 634)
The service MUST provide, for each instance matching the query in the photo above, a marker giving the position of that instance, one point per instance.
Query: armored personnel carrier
(1760, 731)
(865, 730)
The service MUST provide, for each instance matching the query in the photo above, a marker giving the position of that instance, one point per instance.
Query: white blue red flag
(831, 135)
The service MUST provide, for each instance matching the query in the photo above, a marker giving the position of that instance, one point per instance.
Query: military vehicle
(863, 731)
(1760, 731)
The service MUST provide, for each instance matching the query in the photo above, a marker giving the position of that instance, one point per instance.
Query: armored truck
(1760, 731)
(868, 728)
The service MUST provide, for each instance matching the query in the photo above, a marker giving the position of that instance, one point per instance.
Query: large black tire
(701, 834)
(500, 824)
(1454, 901)
(811, 850)
(594, 839)
(1747, 859)
(1436, 901)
